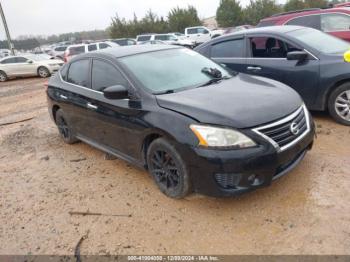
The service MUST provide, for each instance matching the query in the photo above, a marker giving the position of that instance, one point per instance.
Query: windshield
(171, 70)
(320, 41)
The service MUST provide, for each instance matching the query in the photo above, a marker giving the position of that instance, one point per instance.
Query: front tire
(43, 72)
(64, 129)
(168, 169)
(3, 76)
(339, 104)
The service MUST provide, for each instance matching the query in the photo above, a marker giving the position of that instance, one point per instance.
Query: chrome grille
(286, 132)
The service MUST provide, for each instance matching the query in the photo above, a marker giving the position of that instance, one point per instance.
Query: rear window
(144, 38)
(232, 48)
(313, 21)
(78, 73)
(76, 50)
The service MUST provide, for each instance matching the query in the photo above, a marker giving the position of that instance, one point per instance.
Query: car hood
(241, 102)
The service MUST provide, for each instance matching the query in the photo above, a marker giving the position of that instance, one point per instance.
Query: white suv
(171, 39)
(74, 50)
(201, 34)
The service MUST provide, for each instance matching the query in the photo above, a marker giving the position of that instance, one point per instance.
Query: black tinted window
(144, 38)
(79, 73)
(269, 47)
(77, 50)
(21, 60)
(232, 48)
(192, 31)
(161, 37)
(92, 47)
(9, 61)
(105, 75)
(312, 21)
(103, 45)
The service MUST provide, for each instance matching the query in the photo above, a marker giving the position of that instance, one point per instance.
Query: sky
(45, 17)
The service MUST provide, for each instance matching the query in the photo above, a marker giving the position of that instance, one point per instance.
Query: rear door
(231, 52)
(267, 57)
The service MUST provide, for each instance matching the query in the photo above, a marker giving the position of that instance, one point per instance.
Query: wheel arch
(55, 108)
(331, 89)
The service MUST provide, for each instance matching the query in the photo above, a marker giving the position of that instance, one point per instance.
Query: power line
(11, 47)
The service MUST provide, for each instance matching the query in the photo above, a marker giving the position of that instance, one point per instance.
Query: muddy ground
(42, 180)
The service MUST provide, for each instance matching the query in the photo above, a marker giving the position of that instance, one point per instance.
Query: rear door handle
(254, 68)
(91, 106)
(63, 97)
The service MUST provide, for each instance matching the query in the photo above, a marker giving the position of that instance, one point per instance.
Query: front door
(268, 58)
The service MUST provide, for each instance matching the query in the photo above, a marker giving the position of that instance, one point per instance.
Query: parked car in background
(334, 21)
(124, 41)
(58, 51)
(28, 65)
(143, 38)
(171, 39)
(305, 59)
(153, 42)
(236, 29)
(4, 52)
(191, 123)
(201, 34)
(74, 50)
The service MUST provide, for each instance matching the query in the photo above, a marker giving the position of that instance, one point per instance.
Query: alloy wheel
(342, 105)
(164, 169)
(2, 77)
(43, 72)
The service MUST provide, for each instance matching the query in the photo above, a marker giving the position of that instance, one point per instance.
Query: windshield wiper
(214, 80)
(169, 91)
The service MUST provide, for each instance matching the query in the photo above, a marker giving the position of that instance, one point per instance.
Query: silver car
(28, 65)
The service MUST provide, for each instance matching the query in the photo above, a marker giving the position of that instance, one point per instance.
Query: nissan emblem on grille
(294, 128)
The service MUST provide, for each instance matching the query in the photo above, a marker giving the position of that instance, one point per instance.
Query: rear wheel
(339, 104)
(43, 72)
(168, 169)
(3, 76)
(64, 129)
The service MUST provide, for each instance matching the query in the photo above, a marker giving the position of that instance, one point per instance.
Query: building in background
(210, 22)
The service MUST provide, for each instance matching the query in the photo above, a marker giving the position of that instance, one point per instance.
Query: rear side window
(92, 48)
(312, 21)
(103, 45)
(335, 22)
(21, 60)
(231, 48)
(76, 50)
(144, 38)
(161, 37)
(78, 73)
(192, 31)
(105, 75)
(9, 61)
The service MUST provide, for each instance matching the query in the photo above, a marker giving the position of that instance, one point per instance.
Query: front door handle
(91, 106)
(254, 68)
(63, 97)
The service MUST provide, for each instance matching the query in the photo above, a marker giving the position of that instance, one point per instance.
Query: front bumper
(232, 172)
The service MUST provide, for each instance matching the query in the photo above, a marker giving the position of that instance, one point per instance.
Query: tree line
(229, 13)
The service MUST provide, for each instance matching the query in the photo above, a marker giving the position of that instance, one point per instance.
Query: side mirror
(30, 61)
(116, 92)
(297, 55)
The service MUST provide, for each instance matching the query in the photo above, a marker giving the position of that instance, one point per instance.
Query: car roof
(130, 50)
(279, 29)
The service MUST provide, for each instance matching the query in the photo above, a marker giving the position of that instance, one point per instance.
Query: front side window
(231, 48)
(312, 21)
(203, 31)
(105, 75)
(270, 47)
(21, 60)
(317, 39)
(161, 37)
(335, 22)
(92, 47)
(78, 73)
(174, 70)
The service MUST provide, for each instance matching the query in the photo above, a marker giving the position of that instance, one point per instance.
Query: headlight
(210, 136)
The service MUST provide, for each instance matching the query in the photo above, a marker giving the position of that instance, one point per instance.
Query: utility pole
(7, 31)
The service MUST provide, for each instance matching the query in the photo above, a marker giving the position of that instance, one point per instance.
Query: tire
(339, 104)
(168, 169)
(64, 129)
(3, 76)
(43, 72)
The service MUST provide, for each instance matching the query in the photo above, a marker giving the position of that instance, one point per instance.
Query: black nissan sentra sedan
(190, 122)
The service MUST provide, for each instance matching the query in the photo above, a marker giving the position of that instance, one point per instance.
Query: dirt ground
(42, 180)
